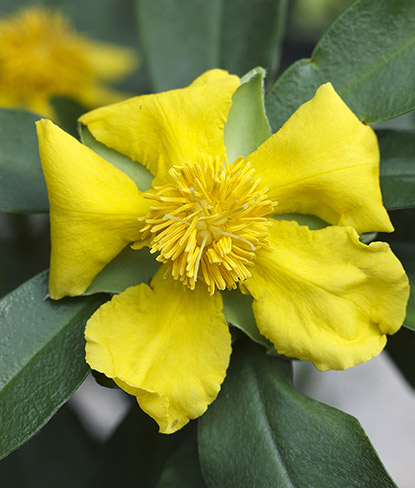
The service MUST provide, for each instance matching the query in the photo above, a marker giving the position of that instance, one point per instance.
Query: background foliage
(368, 53)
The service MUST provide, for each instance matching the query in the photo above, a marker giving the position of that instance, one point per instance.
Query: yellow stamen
(209, 221)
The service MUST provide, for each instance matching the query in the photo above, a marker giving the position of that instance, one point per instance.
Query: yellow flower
(319, 295)
(41, 56)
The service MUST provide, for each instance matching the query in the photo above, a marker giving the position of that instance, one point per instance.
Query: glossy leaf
(261, 428)
(247, 126)
(368, 54)
(129, 268)
(397, 168)
(60, 455)
(42, 357)
(138, 173)
(136, 453)
(23, 187)
(182, 39)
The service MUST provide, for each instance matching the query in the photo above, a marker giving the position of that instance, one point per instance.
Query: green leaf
(410, 309)
(13, 269)
(180, 39)
(182, 468)
(247, 126)
(261, 428)
(397, 168)
(137, 172)
(183, 39)
(237, 309)
(405, 251)
(60, 455)
(68, 112)
(104, 381)
(368, 54)
(24, 251)
(129, 268)
(252, 32)
(401, 347)
(311, 221)
(42, 360)
(23, 187)
(136, 453)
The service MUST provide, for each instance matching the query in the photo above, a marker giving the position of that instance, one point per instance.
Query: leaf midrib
(282, 467)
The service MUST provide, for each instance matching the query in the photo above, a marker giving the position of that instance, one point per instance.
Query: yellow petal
(325, 162)
(169, 128)
(324, 296)
(93, 210)
(166, 345)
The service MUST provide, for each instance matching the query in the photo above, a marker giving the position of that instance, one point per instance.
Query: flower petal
(324, 296)
(93, 210)
(325, 162)
(169, 128)
(166, 345)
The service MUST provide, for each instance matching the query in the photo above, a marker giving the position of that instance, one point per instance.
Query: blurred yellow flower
(42, 56)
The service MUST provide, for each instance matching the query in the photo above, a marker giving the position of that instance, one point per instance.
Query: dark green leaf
(129, 268)
(401, 347)
(68, 111)
(261, 428)
(136, 453)
(247, 126)
(405, 251)
(397, 168)
(182, 468)
(60, 455)
(23, 188)
(42, 360)
(410, 309)
(180, 39)
(13, 268)
(25, 250)
(104, 381)
(252, 32)
(138, 173)
(368, 54)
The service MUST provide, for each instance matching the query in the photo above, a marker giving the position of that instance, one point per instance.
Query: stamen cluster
(208, 222)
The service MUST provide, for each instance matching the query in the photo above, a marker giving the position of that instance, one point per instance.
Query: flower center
(208, 222)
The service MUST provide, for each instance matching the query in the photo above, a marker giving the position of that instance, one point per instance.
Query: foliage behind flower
(42, 56)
